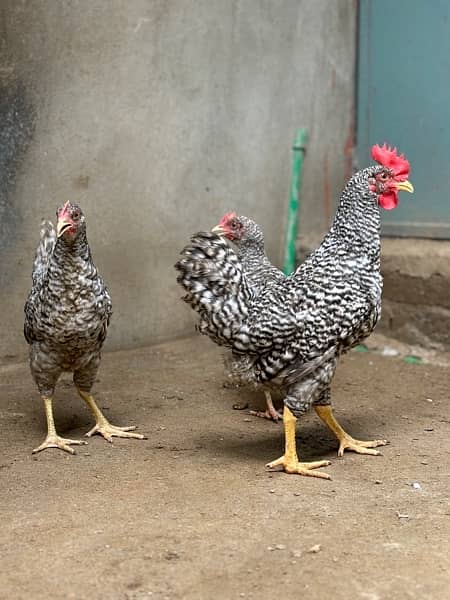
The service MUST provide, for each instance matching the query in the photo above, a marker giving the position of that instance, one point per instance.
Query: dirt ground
(192, 512)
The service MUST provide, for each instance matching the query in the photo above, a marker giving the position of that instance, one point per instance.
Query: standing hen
(291, 335)
(248, 237)
(66, 318)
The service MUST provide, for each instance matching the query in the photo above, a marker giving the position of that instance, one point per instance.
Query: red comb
(227, 217)
(64, 209)
(389, 158)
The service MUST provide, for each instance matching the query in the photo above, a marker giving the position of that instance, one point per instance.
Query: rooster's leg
(270, 413)
(103, 426)
(346, 442)
(53, 440)
(289, 461)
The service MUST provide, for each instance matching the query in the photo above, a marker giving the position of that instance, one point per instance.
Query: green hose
(298, 154)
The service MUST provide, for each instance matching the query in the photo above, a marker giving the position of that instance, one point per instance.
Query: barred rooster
(248, 237)
(290, 336)
(66, 319)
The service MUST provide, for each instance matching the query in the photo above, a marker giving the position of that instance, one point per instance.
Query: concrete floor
(192, 513)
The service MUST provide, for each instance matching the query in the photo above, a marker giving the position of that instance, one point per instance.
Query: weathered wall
(157, 116)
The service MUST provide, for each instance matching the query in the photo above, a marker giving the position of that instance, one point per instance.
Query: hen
(248, 237)
(290, 335)
(66, 319)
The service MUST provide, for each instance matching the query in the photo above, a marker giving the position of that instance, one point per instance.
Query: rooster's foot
(271, 414)
(301, 468)
(109, 431)
(348, 443)
(54, 441)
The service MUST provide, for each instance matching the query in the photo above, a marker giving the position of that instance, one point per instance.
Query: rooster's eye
(384, 176)
(75, 214)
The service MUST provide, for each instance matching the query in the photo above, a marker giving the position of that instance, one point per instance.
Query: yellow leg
(346, 442)
(103, 426)
(53, 440)
(289, 461)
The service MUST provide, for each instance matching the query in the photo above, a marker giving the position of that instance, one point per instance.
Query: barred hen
(290, 335)
(248, 237)
(66, 319)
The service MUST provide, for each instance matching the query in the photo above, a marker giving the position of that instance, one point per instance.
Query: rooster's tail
(43, 252)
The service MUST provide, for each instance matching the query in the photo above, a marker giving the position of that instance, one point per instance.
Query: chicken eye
(384, 176)
(75, 214)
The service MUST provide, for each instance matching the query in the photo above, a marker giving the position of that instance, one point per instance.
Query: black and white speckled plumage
(67, 311)
(257, 267)
(292, 332)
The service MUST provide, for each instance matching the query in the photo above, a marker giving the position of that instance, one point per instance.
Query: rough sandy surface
(191, 512)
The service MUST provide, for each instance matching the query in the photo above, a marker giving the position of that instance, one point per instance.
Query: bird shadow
(314, 440)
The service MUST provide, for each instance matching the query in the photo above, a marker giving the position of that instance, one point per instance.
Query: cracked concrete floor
(192, 513)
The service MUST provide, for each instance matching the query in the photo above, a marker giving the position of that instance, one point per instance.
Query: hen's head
(239, 230)
(70, 222)
(390, 177)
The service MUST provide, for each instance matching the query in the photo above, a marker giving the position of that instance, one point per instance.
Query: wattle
(388, 200)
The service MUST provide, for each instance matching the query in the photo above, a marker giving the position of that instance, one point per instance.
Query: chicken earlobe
(53, 440)
(103, 426)
(346, 442)
(289, 461)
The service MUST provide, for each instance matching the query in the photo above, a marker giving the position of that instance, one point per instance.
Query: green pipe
(298, 154)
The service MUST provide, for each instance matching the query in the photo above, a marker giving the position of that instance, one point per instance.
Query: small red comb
(389, 158)
(227, 217)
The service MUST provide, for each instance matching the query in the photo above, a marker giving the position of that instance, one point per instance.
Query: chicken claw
(270, 413)
(289, 461)
(107, 430)
(348, 443)
(54, 441)
(103, 426)
(266, 414)
(301, 468)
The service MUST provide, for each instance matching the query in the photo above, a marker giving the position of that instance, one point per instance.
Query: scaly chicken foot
(53, 440)
(289, 461)
(103, 426)
(346, 442)
(270, 413)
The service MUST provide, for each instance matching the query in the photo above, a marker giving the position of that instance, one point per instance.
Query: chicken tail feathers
(216, 288)
(43, 252)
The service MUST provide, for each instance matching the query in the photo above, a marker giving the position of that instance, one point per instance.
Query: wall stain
(17, 124)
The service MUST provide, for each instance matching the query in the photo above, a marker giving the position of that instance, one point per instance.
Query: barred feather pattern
(67, 311)
(292, 332)
(257, 267)
(259, 272)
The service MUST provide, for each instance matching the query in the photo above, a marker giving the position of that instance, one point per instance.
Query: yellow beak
(61, 226)
(218, 230)
(405, 186)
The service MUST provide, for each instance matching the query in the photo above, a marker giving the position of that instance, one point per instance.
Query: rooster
(290, 336)
(248, 237)
(66, 319)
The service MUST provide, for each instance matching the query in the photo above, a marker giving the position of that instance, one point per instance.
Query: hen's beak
(218, 230)
(405, 186)
(62, 226)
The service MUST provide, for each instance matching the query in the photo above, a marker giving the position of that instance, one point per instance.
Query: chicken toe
(55, 441)
(289, 461)
(293, 465)
(346, 442)
(270, 413)
(109, 431)
(103, 426)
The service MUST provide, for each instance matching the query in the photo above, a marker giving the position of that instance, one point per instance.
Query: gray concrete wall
(158, 116)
